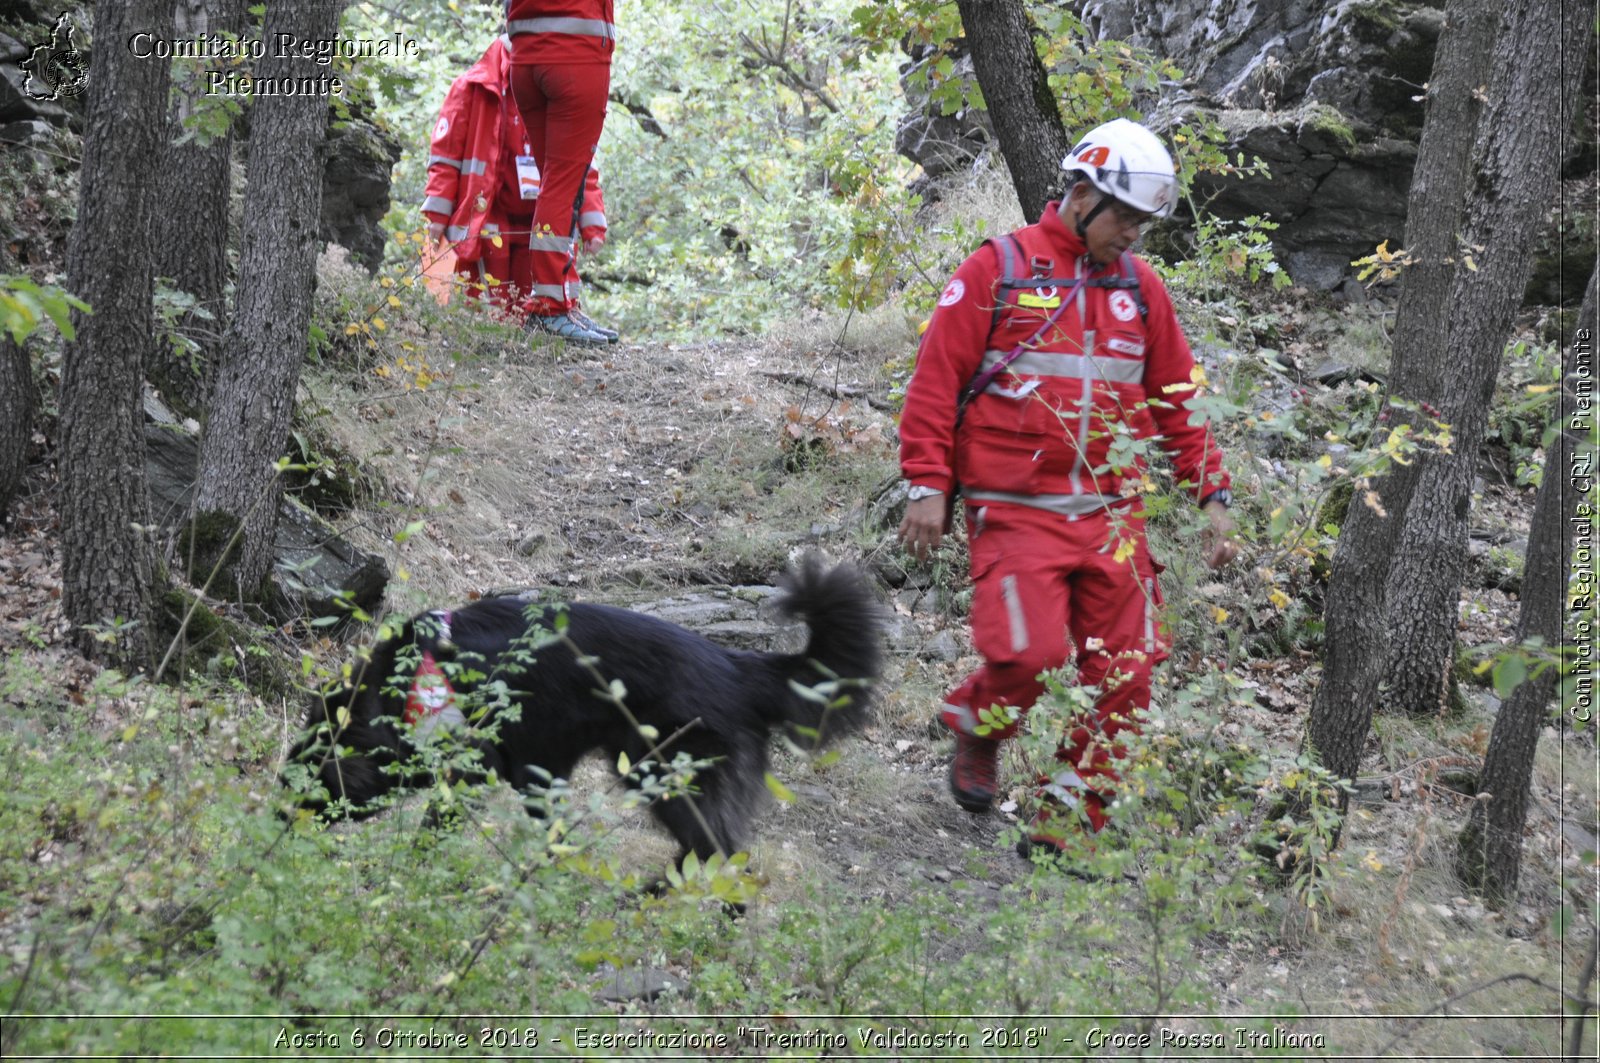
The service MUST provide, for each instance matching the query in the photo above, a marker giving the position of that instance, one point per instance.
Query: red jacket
(472, 155)
(1045, 431)
(562, 31)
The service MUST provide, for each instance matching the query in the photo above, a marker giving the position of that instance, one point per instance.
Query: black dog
(689, 694)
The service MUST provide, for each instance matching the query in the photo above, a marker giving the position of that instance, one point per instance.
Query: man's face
(1113, 229)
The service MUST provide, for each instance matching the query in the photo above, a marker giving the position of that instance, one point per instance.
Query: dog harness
(431, 701)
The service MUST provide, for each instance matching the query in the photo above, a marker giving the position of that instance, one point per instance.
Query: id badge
(527, 177)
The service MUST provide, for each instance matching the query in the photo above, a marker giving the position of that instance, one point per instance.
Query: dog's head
(348, 752)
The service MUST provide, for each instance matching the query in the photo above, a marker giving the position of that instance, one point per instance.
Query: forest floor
(651, 471)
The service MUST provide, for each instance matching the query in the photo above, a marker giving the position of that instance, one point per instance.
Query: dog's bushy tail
(843, 657)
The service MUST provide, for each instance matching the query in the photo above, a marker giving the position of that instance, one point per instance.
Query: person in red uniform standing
(484, 182)
(1048, 350)
(560, 75)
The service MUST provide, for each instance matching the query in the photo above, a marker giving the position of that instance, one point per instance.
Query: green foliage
(25, 305)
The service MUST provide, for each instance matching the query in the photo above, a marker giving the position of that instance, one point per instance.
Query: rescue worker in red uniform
(484, 182)
(560, 76)
(1048, 349)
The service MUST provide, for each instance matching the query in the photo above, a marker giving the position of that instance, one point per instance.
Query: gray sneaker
(611, 334)
(565, 327)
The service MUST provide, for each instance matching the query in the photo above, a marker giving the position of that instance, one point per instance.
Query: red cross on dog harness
(431, 699)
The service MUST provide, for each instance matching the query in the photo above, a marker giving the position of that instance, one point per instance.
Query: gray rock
(944, 646)
(355, 188)
(25, 131)
(637, 983)
(320, 563)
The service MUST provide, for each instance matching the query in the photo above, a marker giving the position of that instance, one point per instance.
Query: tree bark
(1489, 850)
(1441, 184)
(1516, 148)
(19, 399)
(1016, 91)
(1521, 140)
(253, 396)
(106, 562)
(196, 182)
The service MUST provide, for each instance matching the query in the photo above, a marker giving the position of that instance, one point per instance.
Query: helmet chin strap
(1093, 213)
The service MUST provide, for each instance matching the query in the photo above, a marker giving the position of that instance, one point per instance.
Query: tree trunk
(1489, 851)
(1520, 144)
(253, 395)
(1016, 91)
(1516, 147)
(1440, 187)
(18, 401)
(106, 562)
(196, 182)
(1341, 711)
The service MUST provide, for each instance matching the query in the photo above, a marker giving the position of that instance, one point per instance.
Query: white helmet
(1127, 162)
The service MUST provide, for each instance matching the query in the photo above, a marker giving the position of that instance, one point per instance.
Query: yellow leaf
(496, 241)
(624, 765)
(378, 324)
(1326, 462)
(1384, 254)
(1279, 599)
(1473, 266)
(351, 330)
(1219, 614)
(394, 301)
(1540, 389)
(1197, 376)
(1124, 551)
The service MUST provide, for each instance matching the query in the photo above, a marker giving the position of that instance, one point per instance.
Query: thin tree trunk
(1489, 850)
(1440, 187)
(1341, 712)
(106, 563)
(253, 395)
(1520, 144)
(1516, 149)
(197, 186)
(1016, 91)
(18, 401)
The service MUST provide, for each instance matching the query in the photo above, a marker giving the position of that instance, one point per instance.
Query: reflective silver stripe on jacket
(439, 205)
(447, 160)
(1066, 787)
(966, 719)
(591, 217)
(551, 242)
(474, 166)
(1077, 505)
(455, 232)
(550, 291)
(584, 27)
(1077, 366)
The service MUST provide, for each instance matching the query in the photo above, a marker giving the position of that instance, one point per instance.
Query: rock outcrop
(1327, 92)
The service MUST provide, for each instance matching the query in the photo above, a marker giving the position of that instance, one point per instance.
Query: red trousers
(510, 265)
(1044, 588)
(563, 109)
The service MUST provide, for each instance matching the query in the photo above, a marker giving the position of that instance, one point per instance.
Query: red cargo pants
(563, 109)
(1045, 586)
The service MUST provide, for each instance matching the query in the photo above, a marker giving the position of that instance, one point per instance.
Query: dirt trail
(649, 472)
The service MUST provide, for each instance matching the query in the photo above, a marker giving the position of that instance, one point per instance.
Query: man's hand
(1217, 540)
(923, 526)
(435, 232)
(593, 244)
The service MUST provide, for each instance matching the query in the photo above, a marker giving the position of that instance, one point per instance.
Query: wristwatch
(919, 492)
